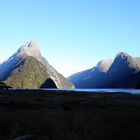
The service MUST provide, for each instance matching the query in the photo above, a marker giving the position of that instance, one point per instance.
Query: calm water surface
(108, 90)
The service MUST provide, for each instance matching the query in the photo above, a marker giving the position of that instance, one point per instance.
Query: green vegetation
(68, 115)
(31, 74)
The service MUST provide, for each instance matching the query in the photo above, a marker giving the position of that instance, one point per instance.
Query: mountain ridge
(118, 73)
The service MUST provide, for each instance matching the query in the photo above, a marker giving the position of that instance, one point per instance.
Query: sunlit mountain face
(27, 68)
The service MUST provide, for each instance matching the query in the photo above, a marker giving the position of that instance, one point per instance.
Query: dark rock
(49, 83)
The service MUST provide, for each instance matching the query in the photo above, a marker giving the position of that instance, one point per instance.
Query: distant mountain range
(27, 68)
(122, 72)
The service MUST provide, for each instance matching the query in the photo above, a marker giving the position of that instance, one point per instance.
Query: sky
(73, 35)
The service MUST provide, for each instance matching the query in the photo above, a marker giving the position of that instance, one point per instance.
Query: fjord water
(93, 90)
(105, 90)
(100, 90)
(111, 90)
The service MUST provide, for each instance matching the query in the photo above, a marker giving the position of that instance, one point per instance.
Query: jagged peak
(30, 44)
(29, 49)
(122, 55)
(123, 59)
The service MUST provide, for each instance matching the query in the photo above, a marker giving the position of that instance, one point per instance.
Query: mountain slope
(30, 74)
(122, 72)
(27, 68)
(93, 77)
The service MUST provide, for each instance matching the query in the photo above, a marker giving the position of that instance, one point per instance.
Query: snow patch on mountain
(30, 49)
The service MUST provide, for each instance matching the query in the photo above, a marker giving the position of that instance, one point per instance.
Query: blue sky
(73, 35)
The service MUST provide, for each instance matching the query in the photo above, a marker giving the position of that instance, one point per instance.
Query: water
(109, 90)
(105, 90)
(97, 90)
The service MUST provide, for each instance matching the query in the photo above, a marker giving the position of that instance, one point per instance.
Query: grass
(68, 115)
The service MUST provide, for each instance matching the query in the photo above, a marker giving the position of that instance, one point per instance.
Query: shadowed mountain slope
(49, 83)
(122, 72)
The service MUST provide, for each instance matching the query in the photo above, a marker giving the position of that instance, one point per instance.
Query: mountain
(122, 72)
(93, 77)
(27, 68)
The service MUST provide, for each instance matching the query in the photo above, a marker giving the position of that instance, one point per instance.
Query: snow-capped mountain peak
(29, 49)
